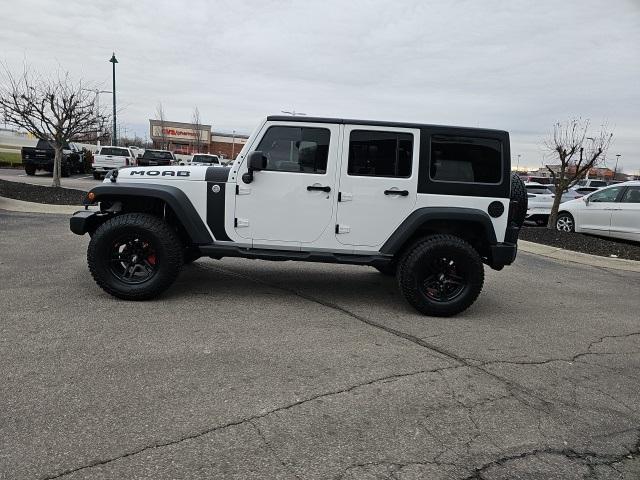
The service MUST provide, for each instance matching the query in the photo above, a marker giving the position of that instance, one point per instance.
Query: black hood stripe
(217, 174)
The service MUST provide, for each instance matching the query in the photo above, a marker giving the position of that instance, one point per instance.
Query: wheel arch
(155, 199)
(472, 225)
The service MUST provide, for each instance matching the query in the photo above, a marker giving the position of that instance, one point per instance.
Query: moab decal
(164, 173)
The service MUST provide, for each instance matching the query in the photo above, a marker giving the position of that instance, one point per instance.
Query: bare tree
(50, 108)
(195, 120)
(163, 129)
(577, 153)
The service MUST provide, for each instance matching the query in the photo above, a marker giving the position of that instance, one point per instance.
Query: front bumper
(85, 221)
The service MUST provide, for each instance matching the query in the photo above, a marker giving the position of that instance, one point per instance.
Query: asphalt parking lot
(252, 369)
(77, 181)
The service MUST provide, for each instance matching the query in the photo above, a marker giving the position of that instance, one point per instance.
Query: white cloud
(514, 65)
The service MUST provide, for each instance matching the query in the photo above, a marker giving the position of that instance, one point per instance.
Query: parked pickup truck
(156, 158)
(42, 155)
(111, 158)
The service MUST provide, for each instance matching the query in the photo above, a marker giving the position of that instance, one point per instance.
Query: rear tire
(30, 170)
(565, 222)
(97, 176)
(441, 275)
(135, 256)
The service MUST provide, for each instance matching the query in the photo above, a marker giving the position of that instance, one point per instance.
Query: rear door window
(380, 154)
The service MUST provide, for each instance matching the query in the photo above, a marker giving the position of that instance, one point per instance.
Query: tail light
(126, 161)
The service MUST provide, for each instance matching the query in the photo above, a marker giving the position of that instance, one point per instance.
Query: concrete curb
(31, 207)
(578, 257)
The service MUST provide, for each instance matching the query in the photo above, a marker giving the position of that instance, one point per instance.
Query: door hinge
(342, 229)
(242, 190)
(240, 222)
(345, 197)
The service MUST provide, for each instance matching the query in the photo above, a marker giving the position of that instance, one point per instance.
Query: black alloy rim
(443, 281)
(133, 259)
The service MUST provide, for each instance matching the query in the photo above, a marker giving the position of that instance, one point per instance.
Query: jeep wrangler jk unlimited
(428, 204)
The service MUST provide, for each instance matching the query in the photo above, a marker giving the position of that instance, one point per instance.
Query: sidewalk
(31, 207)
(578, 257)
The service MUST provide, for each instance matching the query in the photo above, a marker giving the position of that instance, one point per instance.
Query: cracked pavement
(251, 369)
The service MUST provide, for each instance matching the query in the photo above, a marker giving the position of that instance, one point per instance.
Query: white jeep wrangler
(429, 204)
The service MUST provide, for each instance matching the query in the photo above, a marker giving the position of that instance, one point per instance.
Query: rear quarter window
(464, 159)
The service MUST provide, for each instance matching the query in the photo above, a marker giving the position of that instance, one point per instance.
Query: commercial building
(187, 138)
(180, 137)
(227, 145)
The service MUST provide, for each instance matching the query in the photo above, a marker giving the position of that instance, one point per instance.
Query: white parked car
(611, 211)
(591, 183)
(540, 200)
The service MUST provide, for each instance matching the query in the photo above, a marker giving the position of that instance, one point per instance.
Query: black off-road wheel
(135, 256)
(30, 170)
(518, 210)
(441, 275)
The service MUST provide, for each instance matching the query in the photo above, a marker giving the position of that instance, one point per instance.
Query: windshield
(120, 152)
(598, 183)
(157, 155)
(205, 159)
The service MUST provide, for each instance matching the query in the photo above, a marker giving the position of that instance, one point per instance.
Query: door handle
(403, 193)
(319, 188)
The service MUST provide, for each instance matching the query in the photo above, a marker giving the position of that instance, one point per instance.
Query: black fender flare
(172, 196)
(423, 215)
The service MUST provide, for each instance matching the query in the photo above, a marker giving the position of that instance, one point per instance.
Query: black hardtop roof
(375, 123)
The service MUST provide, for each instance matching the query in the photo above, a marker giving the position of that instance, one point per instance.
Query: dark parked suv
(156, 157)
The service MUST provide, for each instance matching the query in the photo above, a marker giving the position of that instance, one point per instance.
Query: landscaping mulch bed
(41, 194)
(579, 242)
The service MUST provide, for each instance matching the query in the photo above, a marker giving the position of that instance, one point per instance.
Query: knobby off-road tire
(30, 170)
(441, 275)
(126, 247)
(519, 195)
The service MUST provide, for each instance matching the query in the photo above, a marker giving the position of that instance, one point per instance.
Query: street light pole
(113, 60)
(615, 170)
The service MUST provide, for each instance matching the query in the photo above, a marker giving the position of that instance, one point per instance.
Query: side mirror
(586, 199)
(255, 162)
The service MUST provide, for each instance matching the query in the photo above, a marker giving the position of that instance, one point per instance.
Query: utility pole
(113, 60)
(518, 164)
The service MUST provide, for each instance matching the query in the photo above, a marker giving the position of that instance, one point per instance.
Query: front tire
(441, 275)
(565, 223)
(30, 170)
(97, 176)
(135, 256)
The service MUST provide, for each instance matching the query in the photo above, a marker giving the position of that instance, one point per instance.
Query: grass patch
(11, 158)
